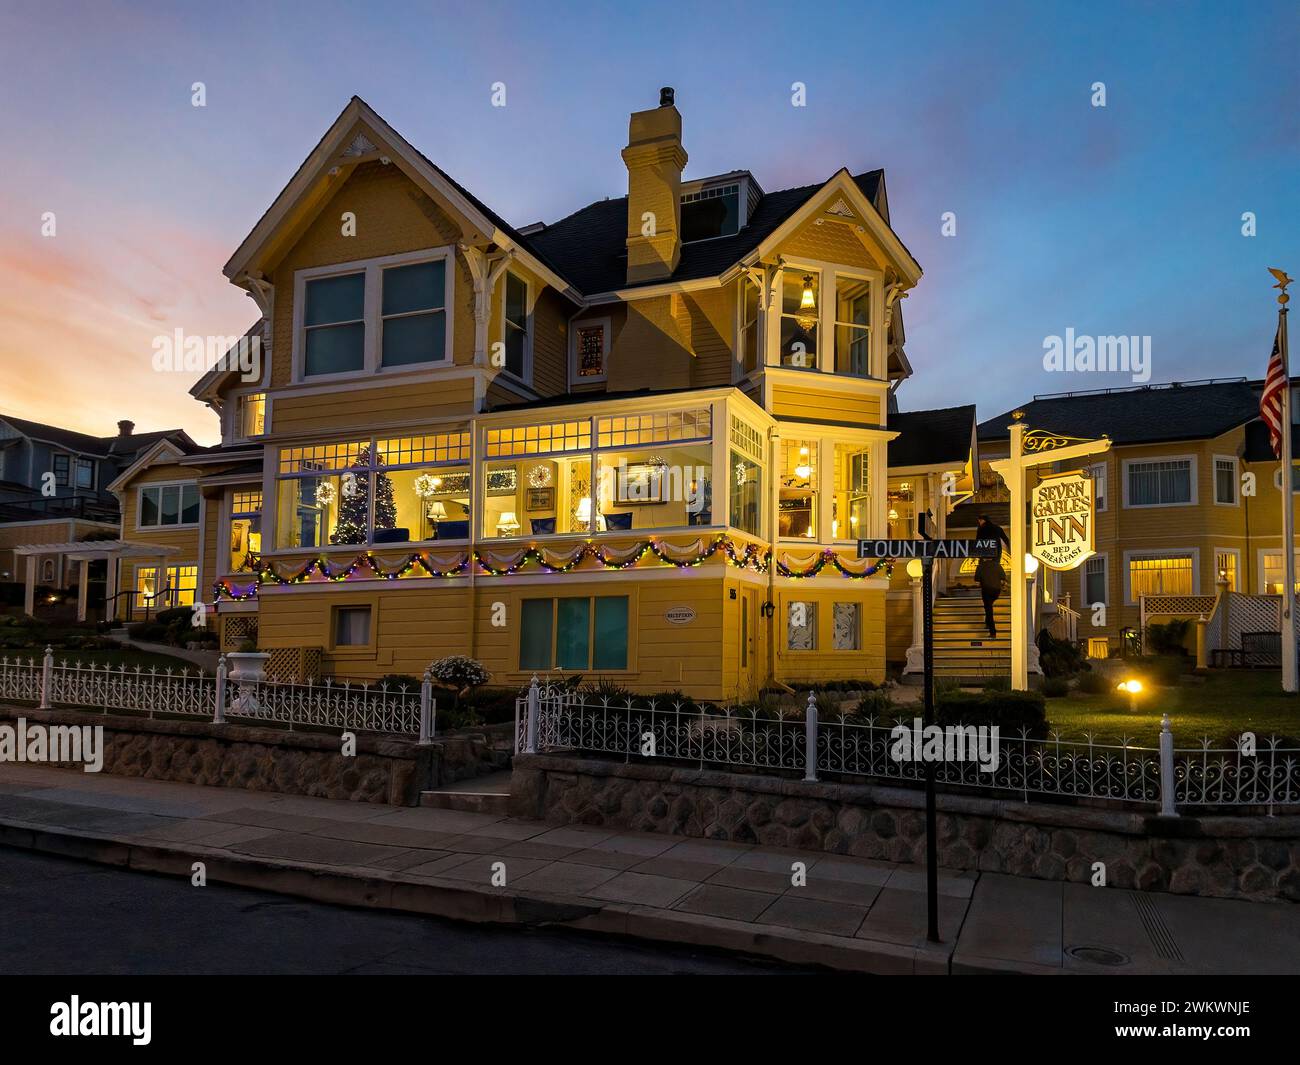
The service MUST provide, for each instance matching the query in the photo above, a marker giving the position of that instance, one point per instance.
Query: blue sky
(1117, 220)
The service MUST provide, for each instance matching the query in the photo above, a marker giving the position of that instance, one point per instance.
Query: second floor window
(515, 326)
(799, 315)
(334, 321)
(62, 464)
(168, 504)
(852, 326)
(250, 415)
(85, 473)
(415, 317)
(1160, 484)
(1225, 481)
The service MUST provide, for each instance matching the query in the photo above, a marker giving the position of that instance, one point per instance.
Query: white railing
(1163, 777)
(348, 706)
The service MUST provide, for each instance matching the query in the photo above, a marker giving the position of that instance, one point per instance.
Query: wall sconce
(767, 609)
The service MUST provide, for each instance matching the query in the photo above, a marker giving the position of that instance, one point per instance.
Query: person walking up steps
(989, 572)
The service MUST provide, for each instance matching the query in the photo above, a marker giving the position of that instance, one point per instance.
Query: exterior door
(751, 662)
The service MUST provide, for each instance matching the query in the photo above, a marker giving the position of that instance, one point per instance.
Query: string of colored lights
(753, 556)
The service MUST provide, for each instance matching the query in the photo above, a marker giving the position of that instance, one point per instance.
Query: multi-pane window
(590, 349)
(245, 531)
(1160, 576)
(799, 315)
(250, 415)
(852, 327)
(177, 588)
(581, 633)
(801, 626)
(1272, 576)
(85, 473)
(846, 626)
(62, 466)
(712, 212)
(334, 324)
(1225, 481)
(852, 502)
(516, 326)
(1225, 568)
(397, 490)
(414, 327)
(168, 504)
(797, 505)
(1094, 581)
(1162, 483)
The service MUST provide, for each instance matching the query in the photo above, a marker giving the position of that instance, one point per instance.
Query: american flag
(1270, 402)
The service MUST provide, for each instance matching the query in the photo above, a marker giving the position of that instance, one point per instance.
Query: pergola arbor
(86, 551)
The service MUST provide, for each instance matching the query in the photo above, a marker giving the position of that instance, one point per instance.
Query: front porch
(112, 552)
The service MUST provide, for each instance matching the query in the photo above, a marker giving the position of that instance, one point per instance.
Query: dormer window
(711, 212)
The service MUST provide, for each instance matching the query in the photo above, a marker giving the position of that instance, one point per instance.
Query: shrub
(1010, 711)
(1169, 638)
(874, 704)
(603, 689)
(460, 673)
(1055, 687)
(1059, 658)
(488, 706)
(1093, 683)
(997, 684)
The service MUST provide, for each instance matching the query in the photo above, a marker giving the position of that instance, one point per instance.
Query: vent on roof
(531, 228)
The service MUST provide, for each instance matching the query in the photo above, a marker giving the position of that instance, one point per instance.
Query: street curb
(454, 900)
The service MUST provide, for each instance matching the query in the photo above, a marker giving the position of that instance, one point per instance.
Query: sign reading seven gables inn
(1063, 520)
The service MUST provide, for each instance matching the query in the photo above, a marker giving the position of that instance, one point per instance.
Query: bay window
(852, 326)
(800, 300)
(797, 503)
(385, 491)
(851, 511)
(245, 531)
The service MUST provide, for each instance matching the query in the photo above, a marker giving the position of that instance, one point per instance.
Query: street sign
(923, 549)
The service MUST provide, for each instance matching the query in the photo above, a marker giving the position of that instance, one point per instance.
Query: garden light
(1133, 687)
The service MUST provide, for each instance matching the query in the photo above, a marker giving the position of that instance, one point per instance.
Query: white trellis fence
(1164, 777)
(347, 706)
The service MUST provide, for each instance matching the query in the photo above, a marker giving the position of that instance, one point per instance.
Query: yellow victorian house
(638, 443)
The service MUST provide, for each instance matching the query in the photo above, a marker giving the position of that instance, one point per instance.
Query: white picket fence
(348, 706)
(1164, 777)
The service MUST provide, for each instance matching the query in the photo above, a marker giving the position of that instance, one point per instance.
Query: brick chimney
(655, 159)
(125, 428)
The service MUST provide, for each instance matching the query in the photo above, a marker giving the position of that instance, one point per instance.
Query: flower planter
(248, 666)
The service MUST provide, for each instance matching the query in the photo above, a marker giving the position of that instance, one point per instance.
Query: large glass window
(334, 323)
(177, 588)
(799, 312)
(1163, 483)
(797, 506)
(414, 325)
(851, 516)
(1160, 576)
(516, 325)
(398, 490)
(576, 633)
(169, 504)
(245, 531)
(1272, 577)
(852, 326)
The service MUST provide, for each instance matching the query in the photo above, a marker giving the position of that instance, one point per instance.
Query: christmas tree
(354, 503)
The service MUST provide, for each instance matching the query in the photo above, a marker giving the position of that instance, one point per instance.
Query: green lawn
(1229, 702)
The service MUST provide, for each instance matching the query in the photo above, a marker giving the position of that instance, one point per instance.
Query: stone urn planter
(248, 666)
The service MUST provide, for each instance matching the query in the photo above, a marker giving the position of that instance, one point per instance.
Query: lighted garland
(753, 556)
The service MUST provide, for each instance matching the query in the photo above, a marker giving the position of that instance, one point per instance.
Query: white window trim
(371, 313)
(1260, 553)
(584, 323)
(1105, 482)
(1236, 480)
(1194, 553)
(143, 565)
(236, 435)
(738, 371)
(827, 272)
(139, 505)
(1192, 472)
(1236, 553)
(1086, 604)
(529, 297)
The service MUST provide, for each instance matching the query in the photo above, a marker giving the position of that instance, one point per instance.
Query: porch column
(83, 587)
(110, 586)
(29, 590)
(159, 583)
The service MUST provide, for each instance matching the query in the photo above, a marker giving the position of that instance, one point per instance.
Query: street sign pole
(931, 814)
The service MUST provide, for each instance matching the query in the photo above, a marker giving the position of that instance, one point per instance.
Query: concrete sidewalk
(851, 914)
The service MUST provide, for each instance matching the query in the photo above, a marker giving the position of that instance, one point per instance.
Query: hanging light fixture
(804, 470)
(807, 316)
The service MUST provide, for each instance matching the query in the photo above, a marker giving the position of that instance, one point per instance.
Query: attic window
(713, 212)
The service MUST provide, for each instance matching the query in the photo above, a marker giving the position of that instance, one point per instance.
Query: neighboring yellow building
(639, 443)
(1187, 498)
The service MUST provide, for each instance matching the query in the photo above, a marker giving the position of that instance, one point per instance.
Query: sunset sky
(1125, 219)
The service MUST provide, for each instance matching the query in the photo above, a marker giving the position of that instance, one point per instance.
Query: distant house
(54, 487)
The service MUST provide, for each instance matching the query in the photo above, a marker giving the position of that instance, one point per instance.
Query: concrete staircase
(488, 794)
(963, 649)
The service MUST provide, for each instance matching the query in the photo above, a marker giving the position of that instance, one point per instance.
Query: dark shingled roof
(589, 247)
(101, 446)
(931, 437)
(1148, 415)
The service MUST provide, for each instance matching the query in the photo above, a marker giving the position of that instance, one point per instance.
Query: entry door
(751, 664)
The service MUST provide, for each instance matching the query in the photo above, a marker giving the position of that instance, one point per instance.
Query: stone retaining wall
(384, 770)
(1250, 857)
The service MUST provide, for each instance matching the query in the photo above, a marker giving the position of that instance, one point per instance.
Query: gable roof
(590, 245)
(99, 446)
(941, 437)
(1149, 414)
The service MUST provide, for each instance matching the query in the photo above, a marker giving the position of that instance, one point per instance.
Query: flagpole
(1289, 672)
